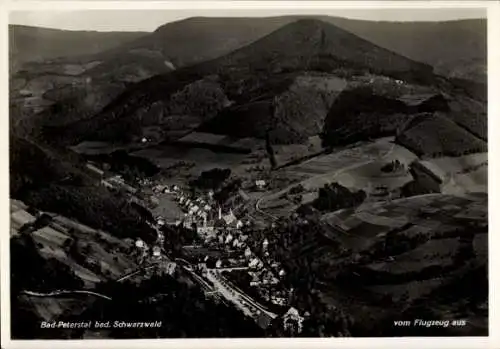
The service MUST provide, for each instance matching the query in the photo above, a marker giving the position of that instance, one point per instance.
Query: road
(135, 272)
(63, 293)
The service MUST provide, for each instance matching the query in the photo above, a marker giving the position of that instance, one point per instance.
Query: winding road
(64, 293)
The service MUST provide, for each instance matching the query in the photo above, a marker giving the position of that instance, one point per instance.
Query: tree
(211, 179)
(334, 196)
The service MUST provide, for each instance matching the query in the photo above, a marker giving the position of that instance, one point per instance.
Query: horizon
(134, 20)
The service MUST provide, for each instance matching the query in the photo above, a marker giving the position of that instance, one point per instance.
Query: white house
(156, 251)
(229, 218)
(260, 183)
(253, 263)
(239, 224)
(292, 320)
(248, 252)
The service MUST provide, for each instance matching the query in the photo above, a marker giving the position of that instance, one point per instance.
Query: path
(64, 292)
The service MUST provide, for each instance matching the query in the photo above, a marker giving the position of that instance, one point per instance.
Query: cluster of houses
(225, 231)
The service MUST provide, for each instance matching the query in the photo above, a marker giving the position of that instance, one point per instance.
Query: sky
(149, 20)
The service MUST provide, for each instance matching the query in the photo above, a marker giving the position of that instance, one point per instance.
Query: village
(224, 247)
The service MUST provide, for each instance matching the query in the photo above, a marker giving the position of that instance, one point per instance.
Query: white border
(493, 341)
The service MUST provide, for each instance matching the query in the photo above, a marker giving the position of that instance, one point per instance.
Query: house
(229, 218)
(248, 252)
(278, 300)
(292, 321)
(116, 180)
(253, 263)
(229, 238)
(95, 170)
(265, 244)
(160, 221)
(169, 268)
(239, 224)
(139, 243)
(264, 320)
(260, 184)
(156, 251)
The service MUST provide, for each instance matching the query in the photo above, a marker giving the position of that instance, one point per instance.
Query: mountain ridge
(337, 49)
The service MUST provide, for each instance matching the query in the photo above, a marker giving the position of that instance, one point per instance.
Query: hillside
(27, 44)
(52, 180)
(436, 135)
(263, 73)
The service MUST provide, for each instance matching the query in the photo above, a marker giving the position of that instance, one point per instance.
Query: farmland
(165, 156)
(433, 214)
(93, 255)
(469, 172)
(356, 167)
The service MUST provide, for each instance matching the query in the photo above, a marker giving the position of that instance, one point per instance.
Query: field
(96, 148)
(432, 253)
(357, 167)
(167, 208)
(51, 308)
(212, 139)
(199, 159)
(19, 216)
(469, 172)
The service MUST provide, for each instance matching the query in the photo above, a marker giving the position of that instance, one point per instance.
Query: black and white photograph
(262, 173)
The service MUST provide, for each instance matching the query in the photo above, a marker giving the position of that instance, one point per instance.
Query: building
(169, 268)
(253, 263)
(156, 251)
(230, 218)
(248, 252)
(260, 184)
(265, 244)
